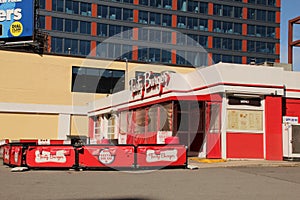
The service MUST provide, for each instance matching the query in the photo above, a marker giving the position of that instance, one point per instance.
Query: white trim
(42, 108)
(64, 126)
(224, 127)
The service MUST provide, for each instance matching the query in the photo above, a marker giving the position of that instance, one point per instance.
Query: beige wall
(28, 126)
(34, 79)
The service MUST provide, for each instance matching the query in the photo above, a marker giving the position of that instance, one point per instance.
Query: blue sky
(289, 10)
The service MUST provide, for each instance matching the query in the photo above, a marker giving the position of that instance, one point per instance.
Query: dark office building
(164, 31)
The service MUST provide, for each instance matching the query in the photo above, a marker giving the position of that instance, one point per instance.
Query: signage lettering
(46, 156)
(16, 156)
(15, 14)
(161, 155)
(148, 82)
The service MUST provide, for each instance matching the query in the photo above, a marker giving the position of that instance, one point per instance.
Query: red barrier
(6, 154)
(106, 156)
(16, 155)
(161, 156)
(50, 156)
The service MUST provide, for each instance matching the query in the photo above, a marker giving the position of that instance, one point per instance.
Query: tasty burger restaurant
(227, 111)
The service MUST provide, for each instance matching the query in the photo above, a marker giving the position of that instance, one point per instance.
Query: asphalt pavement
(209, 181)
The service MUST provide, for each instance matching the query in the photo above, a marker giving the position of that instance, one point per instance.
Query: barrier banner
(6, 154)
(16, 155)
(50, 156)
(161, 156)
(106, 156)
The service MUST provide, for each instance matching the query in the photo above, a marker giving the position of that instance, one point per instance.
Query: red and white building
(227, 111)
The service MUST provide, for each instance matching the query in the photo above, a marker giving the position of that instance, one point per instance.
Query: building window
(226, 58)
(41, 22)
(143, 54)
(144, 2)
(271, 16)
(182, 5)
(143, 17)
(114, 30)
(143, 34)
(102, 30)
(42, 4)
(84, 47)
(71, 46)
(167, 4)
(57, 24)
(203, 41)
(203, 8)
(181, 22)
(58, 5)
(154, 55)
(166, 56)
(127, 32)
(262, 15)
(102, 11)
(156, 3)
(154, 36)
(115, 13)
(166, 20)
(261, 31)
(128, 14)
(72, 7)
(110, 50)
(126, 52)
(85, 9)
(155, 19)
(260, 60)
(261, 47)
(85, 27)
(93, 80)
(71, 26)
(56, 45)
(166, 37)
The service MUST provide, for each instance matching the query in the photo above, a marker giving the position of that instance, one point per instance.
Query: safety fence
(100, 156)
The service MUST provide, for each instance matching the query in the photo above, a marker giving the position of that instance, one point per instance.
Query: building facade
(232, 31)
(45, 97)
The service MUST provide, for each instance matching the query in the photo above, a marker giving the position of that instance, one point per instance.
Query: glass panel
(167, 20)
(166, 56)
(128, 14)
(102, 11)
(102, 30)
(143, 17)
(203, 8)
(155, 18)
(85, 47)
(56, 45)
(144, 2)
(153, 118)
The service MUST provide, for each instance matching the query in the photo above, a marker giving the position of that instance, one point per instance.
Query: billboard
(16, 20)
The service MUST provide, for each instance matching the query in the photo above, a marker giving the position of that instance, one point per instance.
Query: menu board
(251, 120)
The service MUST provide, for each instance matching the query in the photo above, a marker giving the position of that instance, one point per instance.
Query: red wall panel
(245, 145)
(293, 108)
(273, 124)
(214, 145)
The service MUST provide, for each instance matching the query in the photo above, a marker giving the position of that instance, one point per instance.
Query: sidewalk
(214, 163)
